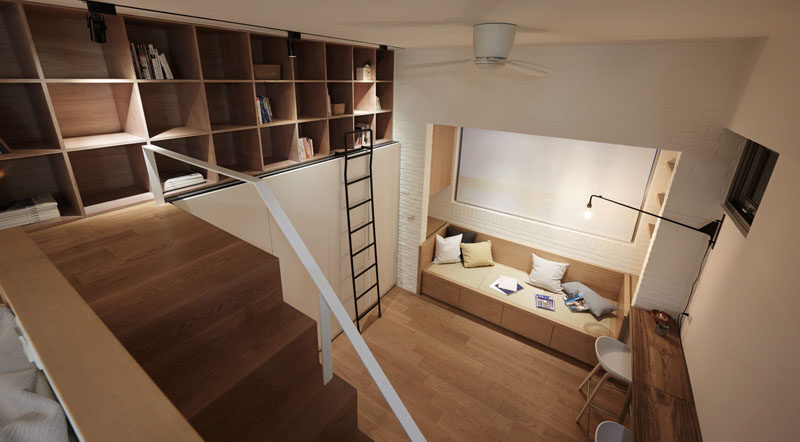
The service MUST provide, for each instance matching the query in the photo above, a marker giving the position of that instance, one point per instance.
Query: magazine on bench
(496, 285)
(576, 303)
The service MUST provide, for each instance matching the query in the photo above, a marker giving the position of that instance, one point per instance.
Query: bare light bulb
(587, 214)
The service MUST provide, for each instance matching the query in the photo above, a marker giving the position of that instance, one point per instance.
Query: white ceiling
(439, 23)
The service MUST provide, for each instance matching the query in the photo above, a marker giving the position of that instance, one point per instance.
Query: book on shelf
(545, 302)
(305, 148)
(263, 109)
(362, 139)
(148, 63)
(28, 210)
(182, 181)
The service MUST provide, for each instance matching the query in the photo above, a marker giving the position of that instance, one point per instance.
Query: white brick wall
(674, 96)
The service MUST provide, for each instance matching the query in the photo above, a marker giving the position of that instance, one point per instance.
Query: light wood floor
(464, 379)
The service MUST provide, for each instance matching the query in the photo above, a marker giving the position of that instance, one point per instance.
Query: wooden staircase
(203, 313)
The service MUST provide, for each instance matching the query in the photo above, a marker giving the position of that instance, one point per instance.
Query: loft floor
(465, 379)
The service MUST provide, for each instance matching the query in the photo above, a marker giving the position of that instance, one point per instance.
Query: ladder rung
(357, 155)
(360, 204)
(367, 291)
(364, 271)
(364, 313)
(364, 248)
(360, 227)
(358, 179)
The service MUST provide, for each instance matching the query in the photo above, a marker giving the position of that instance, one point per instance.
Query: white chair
(609, 431)
(615, 359)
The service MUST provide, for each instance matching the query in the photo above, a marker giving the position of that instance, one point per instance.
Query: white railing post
(152, 174)
(325, 338)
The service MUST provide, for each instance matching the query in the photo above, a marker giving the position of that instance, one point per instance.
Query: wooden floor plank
(464, 379)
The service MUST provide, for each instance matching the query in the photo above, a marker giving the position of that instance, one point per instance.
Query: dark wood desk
(662, 403)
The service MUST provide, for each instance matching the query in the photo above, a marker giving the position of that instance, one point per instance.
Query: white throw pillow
(447, 249)
(547, 274)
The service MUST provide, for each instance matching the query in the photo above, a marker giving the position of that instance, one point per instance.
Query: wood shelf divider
(74, 115)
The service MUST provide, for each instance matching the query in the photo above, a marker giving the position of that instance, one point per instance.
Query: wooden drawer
(481, 306)
(440, 289)
(574, 343)
(527, 324)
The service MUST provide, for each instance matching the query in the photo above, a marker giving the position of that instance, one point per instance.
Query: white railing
(328, 301)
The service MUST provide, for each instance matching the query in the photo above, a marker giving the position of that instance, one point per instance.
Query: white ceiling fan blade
(437, 64)
(528, 68)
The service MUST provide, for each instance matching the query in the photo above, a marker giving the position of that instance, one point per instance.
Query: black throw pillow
(467, 238)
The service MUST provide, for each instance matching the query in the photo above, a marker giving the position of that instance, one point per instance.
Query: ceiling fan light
(493, 40)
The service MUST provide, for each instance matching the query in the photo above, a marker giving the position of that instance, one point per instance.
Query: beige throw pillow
(477, 254)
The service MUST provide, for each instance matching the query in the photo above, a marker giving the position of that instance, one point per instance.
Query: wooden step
(282, 405)
(201, 370)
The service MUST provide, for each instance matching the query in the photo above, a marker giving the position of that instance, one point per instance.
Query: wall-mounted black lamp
(95, 21)
(711, 229)
(382, 49)
(293, 37)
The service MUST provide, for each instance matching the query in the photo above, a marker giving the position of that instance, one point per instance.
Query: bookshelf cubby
(98, 114)
(173, 109)
(239, 150)
(342, 93)
(311, 100)
(337, 129)
(364, 96)
(272, 50)
(339, 59)
(224, 55)
(108, 174)
(196, 147)
(175, 40)
(385, 68)
(25, 122)
(318, 132)
(281, 101)
(65, 51)
(47, 174)
(384, 93)
(231, 105)
(310, 60)
(16, 52)
(75, 116)
(383, 127)
(277, 143)
(362, 56)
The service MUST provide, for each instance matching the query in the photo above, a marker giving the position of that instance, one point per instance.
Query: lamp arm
(646, 212)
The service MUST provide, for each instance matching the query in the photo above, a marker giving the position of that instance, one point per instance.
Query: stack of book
(305, 148)
(27, 211)
(363, 138)
(148, 63)
(576, 302)
(263, 109)
(180, 182)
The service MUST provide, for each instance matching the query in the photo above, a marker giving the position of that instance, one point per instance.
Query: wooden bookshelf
(75, 115)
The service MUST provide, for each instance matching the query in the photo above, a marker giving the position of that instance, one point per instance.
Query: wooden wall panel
(442, 149)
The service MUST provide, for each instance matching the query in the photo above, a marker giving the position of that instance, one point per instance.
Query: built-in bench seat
(571, 333)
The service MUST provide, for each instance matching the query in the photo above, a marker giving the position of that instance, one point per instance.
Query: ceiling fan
(491, 44)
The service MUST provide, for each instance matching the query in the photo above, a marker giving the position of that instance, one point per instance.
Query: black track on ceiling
(231, 22)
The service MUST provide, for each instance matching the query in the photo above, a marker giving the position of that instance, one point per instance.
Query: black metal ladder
(351, 154)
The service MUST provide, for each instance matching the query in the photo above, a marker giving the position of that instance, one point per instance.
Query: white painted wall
(741, 340)
(313, 198)
(674, 96)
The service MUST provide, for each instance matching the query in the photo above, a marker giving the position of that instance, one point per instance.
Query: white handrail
(327, 296)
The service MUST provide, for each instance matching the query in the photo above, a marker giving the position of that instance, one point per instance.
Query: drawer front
(574, 343)
(527, 324)
(481, 306)
(440, 289)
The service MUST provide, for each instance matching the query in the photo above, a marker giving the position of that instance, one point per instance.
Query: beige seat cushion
(526, 299)
(471, 278)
